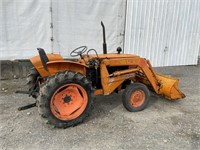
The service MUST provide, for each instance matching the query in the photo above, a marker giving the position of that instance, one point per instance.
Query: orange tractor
(65, 89)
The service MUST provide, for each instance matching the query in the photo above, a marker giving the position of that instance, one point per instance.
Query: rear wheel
(31, 82)
(136, 97)
(65, 99)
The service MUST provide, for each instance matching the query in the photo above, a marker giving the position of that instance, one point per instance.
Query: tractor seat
(43, 57)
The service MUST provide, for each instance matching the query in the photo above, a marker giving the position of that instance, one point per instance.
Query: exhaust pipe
(104, 39)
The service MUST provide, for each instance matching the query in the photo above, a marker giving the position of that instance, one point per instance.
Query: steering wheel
(78, 51)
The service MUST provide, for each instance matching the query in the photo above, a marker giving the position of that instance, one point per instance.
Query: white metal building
(165, 31)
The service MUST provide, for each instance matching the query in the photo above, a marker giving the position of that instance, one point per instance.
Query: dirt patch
(163, 125)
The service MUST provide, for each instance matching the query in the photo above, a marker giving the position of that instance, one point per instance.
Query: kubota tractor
(64, 90)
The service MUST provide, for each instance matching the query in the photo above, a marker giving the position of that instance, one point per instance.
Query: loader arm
(136, 63)
(162, 85)
(140, 70)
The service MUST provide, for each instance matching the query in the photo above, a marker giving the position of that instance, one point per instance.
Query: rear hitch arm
(23, 92)
(30, 92)
(27, 106)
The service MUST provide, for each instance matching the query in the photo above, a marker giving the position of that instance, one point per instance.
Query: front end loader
(64, 90)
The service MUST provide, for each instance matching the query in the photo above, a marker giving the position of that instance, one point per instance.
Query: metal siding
(166, 32)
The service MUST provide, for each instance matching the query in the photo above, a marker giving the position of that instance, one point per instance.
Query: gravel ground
(162, 125)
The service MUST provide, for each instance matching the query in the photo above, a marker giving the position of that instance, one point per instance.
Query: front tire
(136, 97)
(65, 99)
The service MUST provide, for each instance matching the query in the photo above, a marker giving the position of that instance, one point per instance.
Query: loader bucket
(169, 87)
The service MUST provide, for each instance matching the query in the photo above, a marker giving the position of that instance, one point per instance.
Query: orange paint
(69, 102)
(137, 98)
(36, 61)
(138, 70)
(58, 66)
(98, 92)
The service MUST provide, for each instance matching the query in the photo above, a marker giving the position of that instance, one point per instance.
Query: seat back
(43, 57)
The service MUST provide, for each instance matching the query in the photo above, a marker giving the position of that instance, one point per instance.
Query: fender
(58, 66)
(37, 63)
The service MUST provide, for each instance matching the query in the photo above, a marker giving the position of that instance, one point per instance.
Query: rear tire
(136, 97)
(31, 82)
(65, 99)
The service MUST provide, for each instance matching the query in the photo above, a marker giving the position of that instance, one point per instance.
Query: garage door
(166, 32)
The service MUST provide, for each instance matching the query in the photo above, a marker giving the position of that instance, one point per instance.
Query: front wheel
(135, 97)
(65, 99)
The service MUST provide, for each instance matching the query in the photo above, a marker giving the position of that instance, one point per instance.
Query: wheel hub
(67, 99)
(137, 98)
